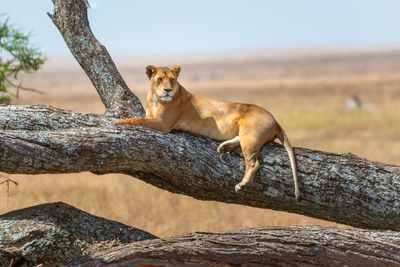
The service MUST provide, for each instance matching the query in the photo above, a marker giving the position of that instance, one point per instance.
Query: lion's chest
(154, 107)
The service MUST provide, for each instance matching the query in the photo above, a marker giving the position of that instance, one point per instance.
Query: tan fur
(170, 106)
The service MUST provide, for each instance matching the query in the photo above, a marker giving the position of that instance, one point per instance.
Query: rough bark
(56, 233)
(265, 246)
(53, 234)
(70, 17)
(41, 118)
(340, 188)
(40, 139)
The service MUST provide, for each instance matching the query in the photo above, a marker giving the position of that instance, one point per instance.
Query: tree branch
(340, 188)
(55, 233)
(70, 17)
(264, 246)
(40, 118)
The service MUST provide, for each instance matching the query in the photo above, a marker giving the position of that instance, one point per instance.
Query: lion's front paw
(115, 122)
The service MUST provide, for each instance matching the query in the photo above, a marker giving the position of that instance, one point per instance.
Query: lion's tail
(285, 141)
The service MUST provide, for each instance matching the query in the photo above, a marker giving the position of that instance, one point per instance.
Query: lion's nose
(167, 90)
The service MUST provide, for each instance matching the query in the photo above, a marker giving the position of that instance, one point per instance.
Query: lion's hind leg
(256, 128)
(252, 166)
(251, 143)
(229, 145)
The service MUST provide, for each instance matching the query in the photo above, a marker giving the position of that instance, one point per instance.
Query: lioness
(170, 106)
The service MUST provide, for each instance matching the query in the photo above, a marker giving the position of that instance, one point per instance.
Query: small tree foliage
(16, 55)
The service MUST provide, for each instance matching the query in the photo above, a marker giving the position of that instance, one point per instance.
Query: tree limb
(264, 246)
(41, 118)
(70, 17)
(55, 233)
(340, 188)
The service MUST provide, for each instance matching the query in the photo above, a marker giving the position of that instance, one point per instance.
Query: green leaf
(16, 55)
(5, 100)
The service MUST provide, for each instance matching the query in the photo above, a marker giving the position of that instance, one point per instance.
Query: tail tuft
(298, 196)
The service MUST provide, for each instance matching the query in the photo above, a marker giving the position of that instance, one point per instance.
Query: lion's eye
(159, 80)
(172, 80)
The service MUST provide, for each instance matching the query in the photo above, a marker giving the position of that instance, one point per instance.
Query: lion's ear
(150, 70)
(176, 69)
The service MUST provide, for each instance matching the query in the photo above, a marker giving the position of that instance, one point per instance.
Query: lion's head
(163, 81)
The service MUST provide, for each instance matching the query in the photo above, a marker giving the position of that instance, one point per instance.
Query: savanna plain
(335, 101)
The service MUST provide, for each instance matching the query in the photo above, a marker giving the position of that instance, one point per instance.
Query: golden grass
(311, 109)
(372, 134)
(135, 203)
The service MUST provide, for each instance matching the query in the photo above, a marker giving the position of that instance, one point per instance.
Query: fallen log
(264, 246)
(55, 233)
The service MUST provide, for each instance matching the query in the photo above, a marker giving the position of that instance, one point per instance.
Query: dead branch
(55, 233)
(264, 246)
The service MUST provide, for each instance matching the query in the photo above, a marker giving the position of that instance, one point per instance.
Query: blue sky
(156, 26)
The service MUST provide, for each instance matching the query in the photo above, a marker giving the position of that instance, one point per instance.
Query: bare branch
(264, 246)
(40, 117)
(20, 87)
(55, 233)
(340, 188)
(70, 17)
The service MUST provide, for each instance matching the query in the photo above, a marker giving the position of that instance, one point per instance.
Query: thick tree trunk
(39, 139)
(340, 188)
(264, 246)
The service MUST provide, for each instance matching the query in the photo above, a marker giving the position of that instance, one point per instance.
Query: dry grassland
(306, 94)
